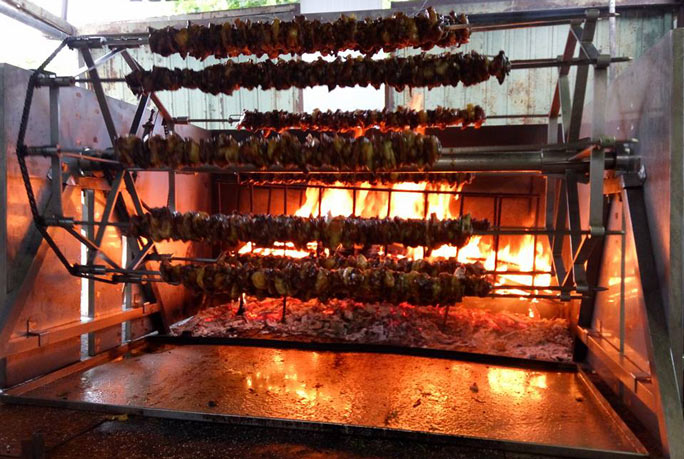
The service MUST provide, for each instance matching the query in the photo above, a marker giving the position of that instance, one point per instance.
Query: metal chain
(21, 148)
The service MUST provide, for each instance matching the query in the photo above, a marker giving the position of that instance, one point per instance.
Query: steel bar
(171, 197)
(107, 212)
(89, 214)
(99, 61)
(134, 65)
(139, 112)
(561, 92)
(140, 257)
(558, 237)
(93, 249)
(525, 287)
(546, 63)
(587, 36)
(537, 296)
(100, 94)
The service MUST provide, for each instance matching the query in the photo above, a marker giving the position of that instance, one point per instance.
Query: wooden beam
(42, 15)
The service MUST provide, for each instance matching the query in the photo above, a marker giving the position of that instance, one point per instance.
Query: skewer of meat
(422, 70)
(265, 230)
(425, 30)
(381, 152)
(473, 274)
(384, 120)
(306, 281)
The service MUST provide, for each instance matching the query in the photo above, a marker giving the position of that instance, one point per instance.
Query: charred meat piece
(230, 39)
(384, 120)
(422, 70)
(265, 230)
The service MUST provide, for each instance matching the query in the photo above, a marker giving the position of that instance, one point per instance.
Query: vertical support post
(56, 162)
(171, 199)
(89, 215)
(558, 237)
(661, 359)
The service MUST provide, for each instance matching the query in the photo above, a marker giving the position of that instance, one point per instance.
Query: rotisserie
(410, 272)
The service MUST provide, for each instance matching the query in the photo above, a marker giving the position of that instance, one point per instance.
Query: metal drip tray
(511, 408)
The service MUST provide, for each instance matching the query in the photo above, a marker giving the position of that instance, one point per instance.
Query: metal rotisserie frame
(580, 174)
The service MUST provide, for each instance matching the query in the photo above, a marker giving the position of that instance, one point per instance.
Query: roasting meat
(385, 120)
(355, 178)
(299, 36)
(305, 280)
(422, 70)
(473, 274)
(381, 152)
(265, 230)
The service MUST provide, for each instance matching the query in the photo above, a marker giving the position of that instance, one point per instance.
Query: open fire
(520, 325)
(520, 266)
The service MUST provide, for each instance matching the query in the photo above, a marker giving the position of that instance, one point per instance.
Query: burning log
(472, 274)
(402, 118)
(413, 71)
(375, 153)
(425, 30)
(265, 230)
(305, 280)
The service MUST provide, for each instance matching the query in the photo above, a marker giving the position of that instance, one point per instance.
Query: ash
(466, 329)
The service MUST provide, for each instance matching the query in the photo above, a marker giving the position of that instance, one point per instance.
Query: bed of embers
(465, 329)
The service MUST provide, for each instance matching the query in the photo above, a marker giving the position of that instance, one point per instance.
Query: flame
(523, 261)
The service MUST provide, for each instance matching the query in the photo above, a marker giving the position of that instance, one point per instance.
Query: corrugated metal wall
(525, 91)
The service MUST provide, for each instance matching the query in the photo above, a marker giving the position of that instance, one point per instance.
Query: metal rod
(538, 296)
(546, 63)
(525, 287)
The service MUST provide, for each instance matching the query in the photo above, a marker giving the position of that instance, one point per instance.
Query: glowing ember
(463, 328)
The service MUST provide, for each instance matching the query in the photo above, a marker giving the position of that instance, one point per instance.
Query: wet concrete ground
(79, 434)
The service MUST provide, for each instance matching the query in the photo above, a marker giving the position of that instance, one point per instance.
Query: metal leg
(665, 378)
(559, 237)
(89, 214)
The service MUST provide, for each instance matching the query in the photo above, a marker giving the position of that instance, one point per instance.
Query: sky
(35, 47)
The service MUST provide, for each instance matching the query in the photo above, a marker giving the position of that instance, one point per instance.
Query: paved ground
(76, 434)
